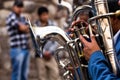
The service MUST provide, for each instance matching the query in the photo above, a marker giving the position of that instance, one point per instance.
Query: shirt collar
(117, 35)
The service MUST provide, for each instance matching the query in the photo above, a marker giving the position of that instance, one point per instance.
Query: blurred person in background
(63, 14)
(18, 35)
(62, 17)
(47, 66)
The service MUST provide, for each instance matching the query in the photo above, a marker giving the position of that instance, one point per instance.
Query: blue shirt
(98, 66)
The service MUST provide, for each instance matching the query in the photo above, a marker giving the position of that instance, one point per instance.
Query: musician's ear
(115, 24)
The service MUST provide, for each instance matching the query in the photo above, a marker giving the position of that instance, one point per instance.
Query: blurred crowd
(15, 32)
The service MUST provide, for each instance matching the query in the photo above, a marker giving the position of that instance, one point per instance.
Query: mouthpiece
(117, 13)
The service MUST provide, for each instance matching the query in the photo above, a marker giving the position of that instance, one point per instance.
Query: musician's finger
(93, 38)
(73, 23)
(71, 35)
(83, 40)
(71, 29)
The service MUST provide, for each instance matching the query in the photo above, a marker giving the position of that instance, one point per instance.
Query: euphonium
(69, 54)
(70, 64)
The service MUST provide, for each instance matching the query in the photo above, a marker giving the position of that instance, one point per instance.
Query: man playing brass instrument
(98, 66)
(47, 66)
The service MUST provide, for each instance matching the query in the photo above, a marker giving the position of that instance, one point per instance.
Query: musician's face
(115, 25)
(84, 15)
(44, 17)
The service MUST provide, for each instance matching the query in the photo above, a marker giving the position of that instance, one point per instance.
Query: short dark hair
(18, 3)
(42, 10)
(113, 5)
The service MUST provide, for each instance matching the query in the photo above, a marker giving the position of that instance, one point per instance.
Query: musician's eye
(78, 25)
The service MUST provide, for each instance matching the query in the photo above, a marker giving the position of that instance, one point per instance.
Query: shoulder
(22, 16)
(52, 23)
(37, 23)
(10, 17)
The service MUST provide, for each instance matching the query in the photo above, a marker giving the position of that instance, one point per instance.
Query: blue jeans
(20, 63)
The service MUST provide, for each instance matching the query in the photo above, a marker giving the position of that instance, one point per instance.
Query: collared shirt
(98, 66)
(50, 23)
(18, 39)
(117, 45)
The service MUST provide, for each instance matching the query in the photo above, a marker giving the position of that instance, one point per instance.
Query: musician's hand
(47, 55)
(89, 47)
(71, 30)
(76, 25)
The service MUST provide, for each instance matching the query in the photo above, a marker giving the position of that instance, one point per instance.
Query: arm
(23, 28)
(98, 67)
(23, 25)
(14, 23)
(49, 49)
(51, 46)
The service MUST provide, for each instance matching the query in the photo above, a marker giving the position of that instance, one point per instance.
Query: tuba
(69, 54)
